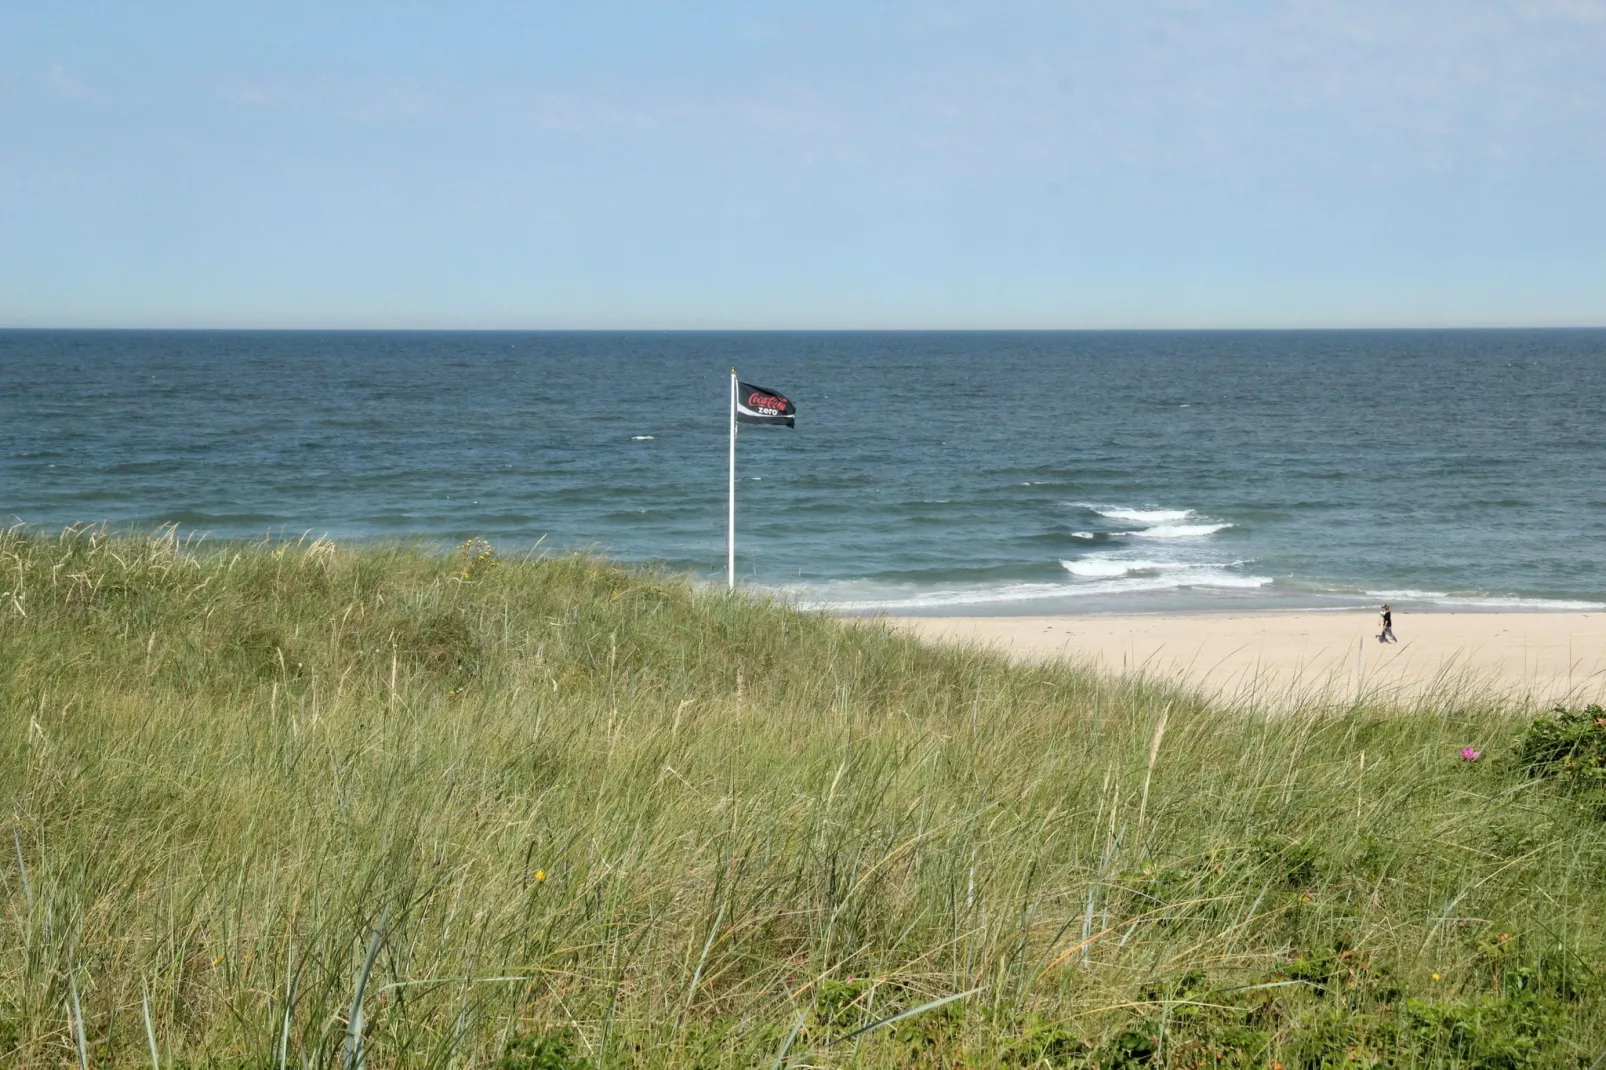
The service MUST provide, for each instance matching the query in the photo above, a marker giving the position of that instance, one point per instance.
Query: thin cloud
(254, 94)
(781, 109)
(62, 84)
(1583, 12)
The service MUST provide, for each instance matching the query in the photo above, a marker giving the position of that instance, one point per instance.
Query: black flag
(756, 405)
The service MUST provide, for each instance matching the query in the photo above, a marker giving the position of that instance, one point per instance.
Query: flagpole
(730, 532)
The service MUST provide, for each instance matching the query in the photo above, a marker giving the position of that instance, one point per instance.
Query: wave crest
(1181, 531)
(1142, 516)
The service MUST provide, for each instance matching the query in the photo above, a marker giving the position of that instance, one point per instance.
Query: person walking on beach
(1387, 634)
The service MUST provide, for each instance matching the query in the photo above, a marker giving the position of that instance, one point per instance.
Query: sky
(820, 164)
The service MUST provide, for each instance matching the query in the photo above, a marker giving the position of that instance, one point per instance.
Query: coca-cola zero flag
(756, 405)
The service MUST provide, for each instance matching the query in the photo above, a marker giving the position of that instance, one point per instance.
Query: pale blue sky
(812, 164)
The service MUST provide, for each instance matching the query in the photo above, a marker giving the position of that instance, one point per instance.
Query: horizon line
(374, 329)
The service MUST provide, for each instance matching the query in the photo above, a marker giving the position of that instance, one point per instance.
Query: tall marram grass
(300, 805)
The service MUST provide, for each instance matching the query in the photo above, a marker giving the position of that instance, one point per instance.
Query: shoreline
(990, 611)
(1525, 657)
(1192, 602)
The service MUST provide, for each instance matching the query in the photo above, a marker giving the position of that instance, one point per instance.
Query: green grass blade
(78, 1024)
(797, 1026)
(354, 1021)
(923, 1008)
(150, 1029)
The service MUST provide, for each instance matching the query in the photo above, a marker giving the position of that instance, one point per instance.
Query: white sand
(1277, 658)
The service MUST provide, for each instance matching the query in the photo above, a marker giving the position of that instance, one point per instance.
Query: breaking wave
(1096, 567)
(1180, 531)
(1486, 601)
(1157, 523)
(1153, 575)
(1140, 516)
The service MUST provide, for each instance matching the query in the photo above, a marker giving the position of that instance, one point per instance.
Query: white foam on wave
(1096, 566)
(929, 599)
(1159, 523)
(641, 438)
(1180, 531)
(1003, 595)
(1170, 573)
(1108, 576)
(1140, 516)
(1487, 601)
(855, 599)
(1218, 578)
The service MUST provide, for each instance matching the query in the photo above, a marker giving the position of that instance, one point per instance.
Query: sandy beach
(1285, 658)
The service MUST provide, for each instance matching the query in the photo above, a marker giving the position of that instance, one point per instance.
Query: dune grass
(303, 805)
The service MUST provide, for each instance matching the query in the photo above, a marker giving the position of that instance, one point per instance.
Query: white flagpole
(730, 532)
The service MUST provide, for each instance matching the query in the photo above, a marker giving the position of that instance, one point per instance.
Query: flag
(756, 405)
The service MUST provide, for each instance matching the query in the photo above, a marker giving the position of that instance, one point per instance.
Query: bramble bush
(1568, 747)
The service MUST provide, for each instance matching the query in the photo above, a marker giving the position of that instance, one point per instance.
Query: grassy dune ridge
(591, 816)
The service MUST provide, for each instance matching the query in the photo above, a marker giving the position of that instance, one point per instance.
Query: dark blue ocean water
(943, 472)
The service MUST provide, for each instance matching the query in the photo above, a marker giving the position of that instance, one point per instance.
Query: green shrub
(1568, 748)
(1135, 1046)
(542, 1051)
(1514, 1033)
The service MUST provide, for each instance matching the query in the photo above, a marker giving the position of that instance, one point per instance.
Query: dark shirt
(1388, 619)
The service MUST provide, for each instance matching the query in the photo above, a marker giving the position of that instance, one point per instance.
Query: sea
(928, 473)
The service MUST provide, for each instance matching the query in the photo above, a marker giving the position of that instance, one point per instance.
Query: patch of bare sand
(1535, 659)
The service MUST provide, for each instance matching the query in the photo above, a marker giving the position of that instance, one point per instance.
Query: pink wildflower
(1470, 755)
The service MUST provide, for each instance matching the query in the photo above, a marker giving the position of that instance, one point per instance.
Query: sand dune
(1531, 658)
